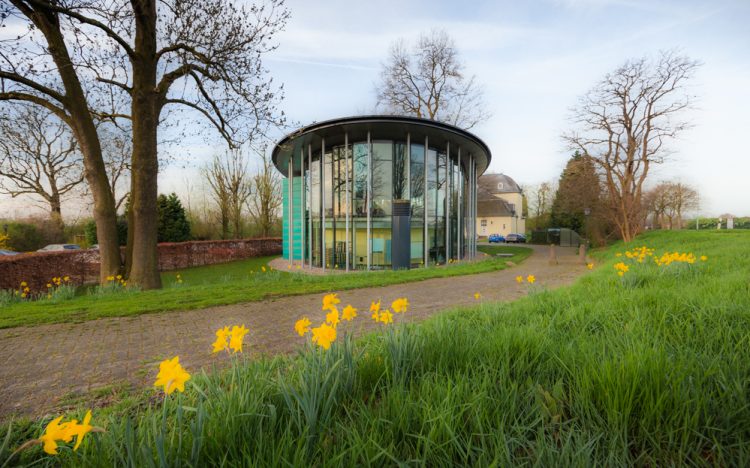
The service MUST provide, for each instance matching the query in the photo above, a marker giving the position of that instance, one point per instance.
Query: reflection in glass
(417, 203)
(396, 174)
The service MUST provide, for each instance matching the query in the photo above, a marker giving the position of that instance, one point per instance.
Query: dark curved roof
(498, 183)
(386, 127)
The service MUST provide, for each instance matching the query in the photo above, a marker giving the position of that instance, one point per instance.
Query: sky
(534, 59)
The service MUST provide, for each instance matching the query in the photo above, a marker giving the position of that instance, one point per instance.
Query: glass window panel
(382, 196)
(400, 172)
(382, 178)
(315, 210)
(416, 177)
(360, 179)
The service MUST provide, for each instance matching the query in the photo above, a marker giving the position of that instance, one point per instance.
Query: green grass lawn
(651, 369)
(229, 283)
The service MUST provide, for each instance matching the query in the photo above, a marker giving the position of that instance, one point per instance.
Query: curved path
(44, 366)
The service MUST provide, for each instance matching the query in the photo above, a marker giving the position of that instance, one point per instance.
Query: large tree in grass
(38, 67)
(625, 124)
(202, 55)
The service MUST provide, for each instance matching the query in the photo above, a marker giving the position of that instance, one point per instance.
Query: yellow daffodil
(400, 305)
(171, 376)
(55, 432)
(330, 301)
(519, 279)
(324, 335)
(349, 313)
(221, 344)
(386, 317)
(620, 273)
(477, 295)
(24, 284)
(621, 268)
(531, 279)
(49, 285)
(26, 290)
(263, 269)
(80, 430)
(375, 309)
(66, 278)
(703, 258)
(590, 266)
(302, 326)
(236, 337)
(618, 254)
(332, 317)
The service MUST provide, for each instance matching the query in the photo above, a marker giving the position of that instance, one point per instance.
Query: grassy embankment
(229, 283)
(647, 369)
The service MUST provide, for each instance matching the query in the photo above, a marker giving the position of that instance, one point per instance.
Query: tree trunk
(144, 269)
(56, 215)
(82, 124)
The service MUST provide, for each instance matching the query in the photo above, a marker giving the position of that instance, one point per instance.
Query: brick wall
(83, 265)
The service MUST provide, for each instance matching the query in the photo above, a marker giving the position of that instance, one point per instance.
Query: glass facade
(348, 199)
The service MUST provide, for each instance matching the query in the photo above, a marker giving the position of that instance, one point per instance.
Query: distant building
(499, 206)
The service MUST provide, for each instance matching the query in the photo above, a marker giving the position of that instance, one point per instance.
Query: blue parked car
(495, 238)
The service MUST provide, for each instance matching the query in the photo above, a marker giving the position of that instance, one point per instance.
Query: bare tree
(540, 199)
(266, 200)
(201, 55)
(428, 81)
(228, 178)
(39, 157)
(625, 123)
(37, 67)
(669, 200)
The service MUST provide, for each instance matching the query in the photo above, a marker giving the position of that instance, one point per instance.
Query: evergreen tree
(173, 223)
(579, 190)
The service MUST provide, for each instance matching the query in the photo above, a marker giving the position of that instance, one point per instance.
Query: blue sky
(534, 58)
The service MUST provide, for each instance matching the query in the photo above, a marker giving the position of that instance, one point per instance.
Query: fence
(559, 236)
(82, 266)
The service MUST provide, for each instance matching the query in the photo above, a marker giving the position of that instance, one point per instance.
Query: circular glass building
(377, 192)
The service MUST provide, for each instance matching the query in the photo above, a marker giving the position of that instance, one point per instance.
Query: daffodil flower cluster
(531, 279)
(621, 268)
(640, 254)
(24, 291)
(227, 339)
(325, 334)
(117, 280)
(677, 257)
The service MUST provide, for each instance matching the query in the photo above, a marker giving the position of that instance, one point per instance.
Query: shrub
(24, 237)
(122, 231)
(173, 223)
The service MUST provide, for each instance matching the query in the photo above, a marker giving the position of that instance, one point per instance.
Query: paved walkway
(43, 366)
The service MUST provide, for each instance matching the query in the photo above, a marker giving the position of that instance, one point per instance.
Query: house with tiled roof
(499, 206)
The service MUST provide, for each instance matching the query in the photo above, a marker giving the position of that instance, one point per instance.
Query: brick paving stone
(40, 365)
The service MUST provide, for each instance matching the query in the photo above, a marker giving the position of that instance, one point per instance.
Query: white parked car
(59, 247)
